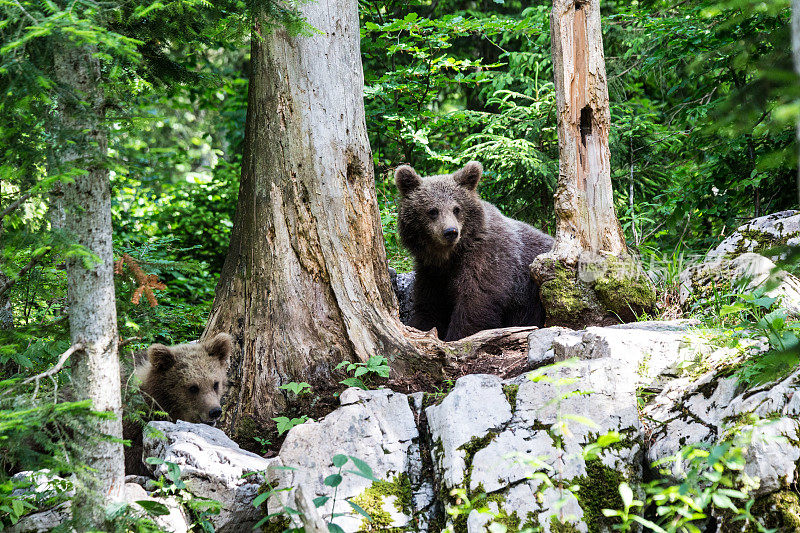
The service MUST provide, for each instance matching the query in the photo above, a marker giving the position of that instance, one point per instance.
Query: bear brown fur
(185, 381)
(471, 262)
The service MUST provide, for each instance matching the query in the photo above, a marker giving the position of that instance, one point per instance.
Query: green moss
(372, 500)
(279, 524)
(511, 521)
(779, 511)
(556, 526)
(598, 491)
(764, 241)
(475, 445)
(247, 430)
(511, 395)
(623, 290)
(562, 295)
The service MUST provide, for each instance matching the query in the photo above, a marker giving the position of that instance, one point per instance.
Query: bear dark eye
(433, 213)
(216, 386)
(194, 389)
(456, 210)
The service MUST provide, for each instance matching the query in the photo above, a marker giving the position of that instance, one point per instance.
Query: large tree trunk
(589, 277)
(305, 283)
(796, 49)
(90, 282)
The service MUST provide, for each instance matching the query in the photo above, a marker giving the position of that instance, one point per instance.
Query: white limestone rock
(748, 271)
(475, 406)
(212, 466)
(782, 228)
(377, 427)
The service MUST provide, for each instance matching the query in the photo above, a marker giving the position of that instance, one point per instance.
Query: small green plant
(285, 423)
(333, 481)
(15, 506)
(266, 444)
(714, 480)
(297, 388)
(376, 367)
(200, 509)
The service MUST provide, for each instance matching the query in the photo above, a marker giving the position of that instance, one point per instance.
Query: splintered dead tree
(589, 277)
(305, 282)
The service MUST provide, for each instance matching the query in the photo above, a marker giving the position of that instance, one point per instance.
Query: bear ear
(406, 179)
(470, 175)
(220, 346)
(160, 357)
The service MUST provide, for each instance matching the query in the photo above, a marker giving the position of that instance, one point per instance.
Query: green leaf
(364, 469)
(261, 498)
(333, 528)
(339, 460)
(319, 501)
(153, 508)
(608, 439)
(647, 523)
(722, 501)
(354, 382)
(333, 480)
(359, 510)
(627, 495)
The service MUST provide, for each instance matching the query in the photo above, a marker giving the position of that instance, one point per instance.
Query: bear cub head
(187, 381)
(439, 214)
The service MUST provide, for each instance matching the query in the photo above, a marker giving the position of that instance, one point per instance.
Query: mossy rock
(563, 297)
(779, 511)
(373, 501)
(626, 297)
(599, 490)
(606, 291)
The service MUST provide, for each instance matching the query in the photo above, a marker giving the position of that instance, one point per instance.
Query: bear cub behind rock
(185, 381)
(471, 261)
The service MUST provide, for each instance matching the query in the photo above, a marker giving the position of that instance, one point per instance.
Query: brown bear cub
(186, 382)
(471, 262)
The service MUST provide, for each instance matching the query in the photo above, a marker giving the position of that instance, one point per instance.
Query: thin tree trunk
(305, 282)
(90, 283)
(588, 277)
(796, 49)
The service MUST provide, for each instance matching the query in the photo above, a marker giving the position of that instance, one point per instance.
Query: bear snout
(450, 235)
(215, 413)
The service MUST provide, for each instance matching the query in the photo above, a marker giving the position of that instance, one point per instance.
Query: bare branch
(55, 369)
(11, 208)
(32, 263)
(129, 340)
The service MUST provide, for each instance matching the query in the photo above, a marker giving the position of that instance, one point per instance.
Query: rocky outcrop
(524, 447)
(212, 466)
(546, 449)
(744, 263)
(761, 235)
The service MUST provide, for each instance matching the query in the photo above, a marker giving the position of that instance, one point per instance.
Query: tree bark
(305, 282)
(589, 277)
(90, 283)
(796, 50)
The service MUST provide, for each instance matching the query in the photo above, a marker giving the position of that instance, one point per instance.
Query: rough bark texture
(305, 283)
(90, 284)
(584, 202)
(796, 50)
(587, 229)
